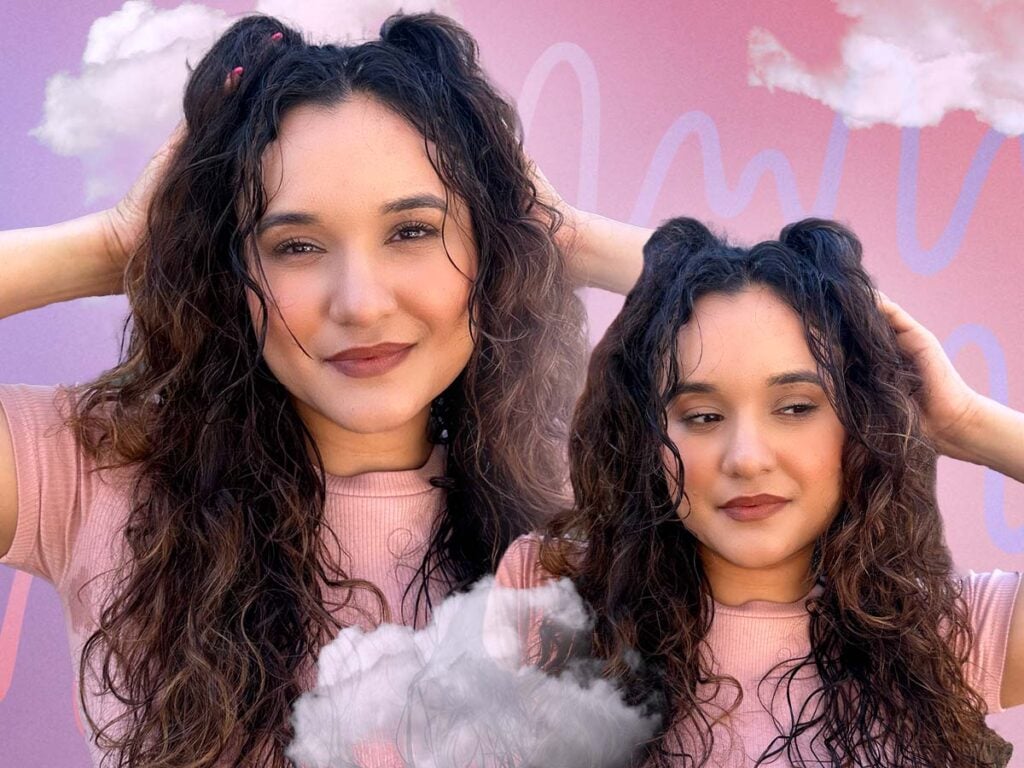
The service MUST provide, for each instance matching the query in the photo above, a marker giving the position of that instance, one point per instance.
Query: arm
(964, 424)
(602, 253)
(74, 259)
(64, 261)
(968, 426)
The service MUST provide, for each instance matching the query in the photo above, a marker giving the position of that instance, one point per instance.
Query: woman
(345, 263)
(755, 526)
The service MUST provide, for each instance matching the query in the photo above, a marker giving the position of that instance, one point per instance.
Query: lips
(749, 508)
(364, 362)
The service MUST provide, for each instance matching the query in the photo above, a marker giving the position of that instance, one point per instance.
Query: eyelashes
(413, 230)
(707, 419)
(406, 232)
(295, 246)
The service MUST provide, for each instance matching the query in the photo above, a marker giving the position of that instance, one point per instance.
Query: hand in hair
(600, 252)
(124, 225)
(947, 403)
(963, 424)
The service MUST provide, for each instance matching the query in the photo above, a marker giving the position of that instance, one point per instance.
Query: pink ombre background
(619, 81)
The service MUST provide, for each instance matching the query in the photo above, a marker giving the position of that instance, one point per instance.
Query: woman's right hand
(124, 225)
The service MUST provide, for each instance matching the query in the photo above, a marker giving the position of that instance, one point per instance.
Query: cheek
(823, 469)
(292, 311)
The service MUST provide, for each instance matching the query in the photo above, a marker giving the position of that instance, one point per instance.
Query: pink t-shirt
(747, 641)
(70, 515)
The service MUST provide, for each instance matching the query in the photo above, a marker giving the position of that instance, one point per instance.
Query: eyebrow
(779, 380)
(409, 203)
(413, 202)
(283, 219)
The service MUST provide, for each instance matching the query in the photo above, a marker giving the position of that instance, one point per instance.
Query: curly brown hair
(889, 631)
(219, 603)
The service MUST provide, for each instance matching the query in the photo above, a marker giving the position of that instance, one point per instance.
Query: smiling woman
(755, 524)
(370, 281)
(353, 350)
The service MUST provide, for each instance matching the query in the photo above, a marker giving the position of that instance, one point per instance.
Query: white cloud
(911, 62)
(454, 694)
(127, 97)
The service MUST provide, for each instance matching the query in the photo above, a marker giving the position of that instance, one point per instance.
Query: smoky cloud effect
(455, 694)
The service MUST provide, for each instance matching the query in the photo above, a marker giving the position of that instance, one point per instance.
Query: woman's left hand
(949, 406)
(963, 424)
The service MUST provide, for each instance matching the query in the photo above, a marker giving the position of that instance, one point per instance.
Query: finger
(899, 319)
(233, 79)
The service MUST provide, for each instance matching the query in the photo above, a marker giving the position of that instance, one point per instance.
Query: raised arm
(602, 252)
(966, 425)
(71, 260)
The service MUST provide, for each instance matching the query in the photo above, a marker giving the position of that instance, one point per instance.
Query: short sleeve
(520, 566)
(538, 615)
(990, 599)
(48, 468)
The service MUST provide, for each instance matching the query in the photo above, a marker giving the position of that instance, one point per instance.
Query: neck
(783, 582)
(347, 453)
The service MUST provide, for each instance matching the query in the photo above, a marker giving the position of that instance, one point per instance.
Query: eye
(413, 230)
(296, 246)
(798, 409)
(702, 418)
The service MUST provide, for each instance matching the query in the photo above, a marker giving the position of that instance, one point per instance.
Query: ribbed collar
(406, 482)
(768, 609)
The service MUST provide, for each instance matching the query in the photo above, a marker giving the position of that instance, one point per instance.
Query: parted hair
(219, 602)
(889, 631)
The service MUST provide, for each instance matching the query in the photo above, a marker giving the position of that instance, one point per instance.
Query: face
(368, 277)
(760, 443)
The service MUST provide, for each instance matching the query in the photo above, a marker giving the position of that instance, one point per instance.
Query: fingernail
(237, 71)
(277, 36)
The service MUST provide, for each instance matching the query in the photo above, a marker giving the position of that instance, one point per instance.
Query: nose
(749, 450)
(361, 289)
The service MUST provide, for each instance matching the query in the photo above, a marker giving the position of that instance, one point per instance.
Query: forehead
(749, 335)
(354, 150)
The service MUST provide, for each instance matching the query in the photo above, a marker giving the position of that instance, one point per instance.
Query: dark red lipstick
(748, 508)
(364, 362)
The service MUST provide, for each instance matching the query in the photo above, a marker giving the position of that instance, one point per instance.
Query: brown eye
(413, 230)
(798, 409)
(296, 247)
(702, 419)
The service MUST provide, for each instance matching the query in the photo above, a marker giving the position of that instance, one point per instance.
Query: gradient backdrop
(639, 112)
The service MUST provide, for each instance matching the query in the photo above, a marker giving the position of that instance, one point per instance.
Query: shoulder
(521, 567)
(989, 599)
(989, 595)
(31, 405)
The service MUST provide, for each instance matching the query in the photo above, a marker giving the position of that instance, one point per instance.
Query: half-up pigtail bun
(437, 41)
(251, 45)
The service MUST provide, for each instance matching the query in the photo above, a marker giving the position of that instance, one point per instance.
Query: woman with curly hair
(755, 526)
(352, 353)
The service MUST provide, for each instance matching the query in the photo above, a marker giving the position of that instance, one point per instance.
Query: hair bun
(436, 40)
(677, 237)
(252, 43)
(826, 243)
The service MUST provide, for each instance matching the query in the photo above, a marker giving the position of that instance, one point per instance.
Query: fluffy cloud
(127, 97)
(908, 63)
(454, 694)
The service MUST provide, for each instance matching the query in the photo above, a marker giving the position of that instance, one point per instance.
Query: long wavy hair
(219, 604)
(889, 633)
